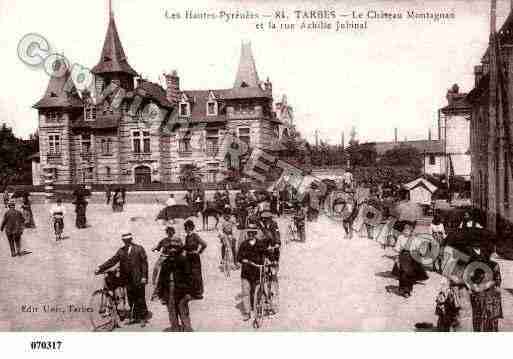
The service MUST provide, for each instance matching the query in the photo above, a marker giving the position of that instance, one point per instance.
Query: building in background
(432, 152)
(454, 131)
(491, 129)
(83, 140)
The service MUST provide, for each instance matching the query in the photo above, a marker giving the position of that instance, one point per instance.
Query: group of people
(260, 239)
(177, 275)
(118, 199)
(461, 305)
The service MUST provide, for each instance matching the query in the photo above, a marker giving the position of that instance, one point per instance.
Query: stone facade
(84, 139)
(491, 129)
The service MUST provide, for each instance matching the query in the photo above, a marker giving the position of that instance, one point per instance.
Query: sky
(394, 74)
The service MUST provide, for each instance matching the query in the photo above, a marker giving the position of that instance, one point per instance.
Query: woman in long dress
(27, 213)
(485, 295)
(409, 269)
(117, 201)
(194, 246)
(80, 210)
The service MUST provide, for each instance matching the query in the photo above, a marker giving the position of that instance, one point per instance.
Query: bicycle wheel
(259, 307)
(226, 263)
(274, 295)
(103, 317)
(291, 234)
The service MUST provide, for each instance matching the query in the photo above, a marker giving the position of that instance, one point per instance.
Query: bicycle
(105, 302)
(266, 293)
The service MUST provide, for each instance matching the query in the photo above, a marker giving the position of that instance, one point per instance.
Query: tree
(402, 155)
(360, 154)
(14, 165)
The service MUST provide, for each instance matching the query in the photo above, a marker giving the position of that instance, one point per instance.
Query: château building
(83, 140)
(491, 130)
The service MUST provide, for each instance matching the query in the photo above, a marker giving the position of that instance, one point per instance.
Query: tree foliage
(402, 155)
(15, 167)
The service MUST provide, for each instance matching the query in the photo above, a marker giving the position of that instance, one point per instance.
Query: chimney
(452, 93)
(429, 135)
(478, 74)
(395, 135)
(172, 87)
(268, 86)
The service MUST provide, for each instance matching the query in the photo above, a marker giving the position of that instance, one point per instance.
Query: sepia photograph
(256, 166)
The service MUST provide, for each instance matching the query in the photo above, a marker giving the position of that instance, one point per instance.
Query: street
(328, 283)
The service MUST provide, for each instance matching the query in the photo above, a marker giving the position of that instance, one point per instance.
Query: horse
(211, 210)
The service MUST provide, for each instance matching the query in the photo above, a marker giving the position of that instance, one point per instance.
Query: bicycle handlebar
(107, 272)
(267, 262)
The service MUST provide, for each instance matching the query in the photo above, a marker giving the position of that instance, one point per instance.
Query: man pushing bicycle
(251, 256)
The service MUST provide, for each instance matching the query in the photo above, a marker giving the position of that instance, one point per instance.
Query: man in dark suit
(13, 224)
(133, 268)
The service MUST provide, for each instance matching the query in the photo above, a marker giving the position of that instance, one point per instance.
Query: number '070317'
(45, 345)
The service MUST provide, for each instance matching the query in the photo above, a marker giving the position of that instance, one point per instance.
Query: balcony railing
(141, 156)
(54, 157)
(185, 153)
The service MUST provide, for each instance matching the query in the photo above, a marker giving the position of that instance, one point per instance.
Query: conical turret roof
(247, 75)
(113, 58)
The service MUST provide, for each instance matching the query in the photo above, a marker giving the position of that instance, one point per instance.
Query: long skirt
(486, 310)
(410, 271)
(197, 276)
(81, 220)
(117, 205)
(28, 217)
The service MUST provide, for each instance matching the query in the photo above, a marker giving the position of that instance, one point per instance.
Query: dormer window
(244, 84)
(90, 113)
(211, 105)
(107, 109)
(185, 109)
